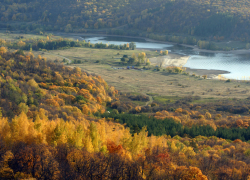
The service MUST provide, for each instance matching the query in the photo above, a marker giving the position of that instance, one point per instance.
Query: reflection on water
(238, 65)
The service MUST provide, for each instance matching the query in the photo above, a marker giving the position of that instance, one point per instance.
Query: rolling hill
(208, 18)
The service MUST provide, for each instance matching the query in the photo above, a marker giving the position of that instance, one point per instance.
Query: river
(237, 64)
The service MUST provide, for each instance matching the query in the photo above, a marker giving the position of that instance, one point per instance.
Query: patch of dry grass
(166, 84)
(105, 56)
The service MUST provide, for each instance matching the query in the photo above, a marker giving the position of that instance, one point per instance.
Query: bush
(204, 76)
(175, 69)
(115, 111)
(20, 52)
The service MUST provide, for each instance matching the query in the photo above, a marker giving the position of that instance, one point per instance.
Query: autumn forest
(59, 119)
(54, 125)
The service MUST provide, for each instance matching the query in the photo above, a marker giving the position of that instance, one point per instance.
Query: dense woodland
(215, 19)
(29, 84)
(50, 128)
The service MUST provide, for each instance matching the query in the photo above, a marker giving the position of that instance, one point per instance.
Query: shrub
(204, 76)
(208, 115)
(200, 117)
(175, 69)
(218, 116)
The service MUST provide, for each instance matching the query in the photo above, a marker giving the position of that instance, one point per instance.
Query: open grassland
(104, 56)
(166, 84)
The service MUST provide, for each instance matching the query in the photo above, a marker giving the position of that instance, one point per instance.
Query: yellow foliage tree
(139, 141)
(32, 83)
(3, 50)
(21, 44)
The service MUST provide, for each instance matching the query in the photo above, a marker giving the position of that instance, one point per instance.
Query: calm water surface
(237, 65)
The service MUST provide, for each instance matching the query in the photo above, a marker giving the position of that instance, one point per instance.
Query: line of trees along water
(170, 127)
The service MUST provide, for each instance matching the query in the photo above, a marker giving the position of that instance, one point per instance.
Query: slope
(206, 17)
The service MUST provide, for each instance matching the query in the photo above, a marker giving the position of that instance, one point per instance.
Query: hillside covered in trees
(29, 84)
(217, 19)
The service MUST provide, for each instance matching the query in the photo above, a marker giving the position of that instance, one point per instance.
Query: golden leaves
(3, 50)
(32, 83)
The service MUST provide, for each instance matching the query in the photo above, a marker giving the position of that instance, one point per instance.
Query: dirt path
(150, 100)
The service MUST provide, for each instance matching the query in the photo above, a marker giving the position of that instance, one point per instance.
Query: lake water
(237, 65)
